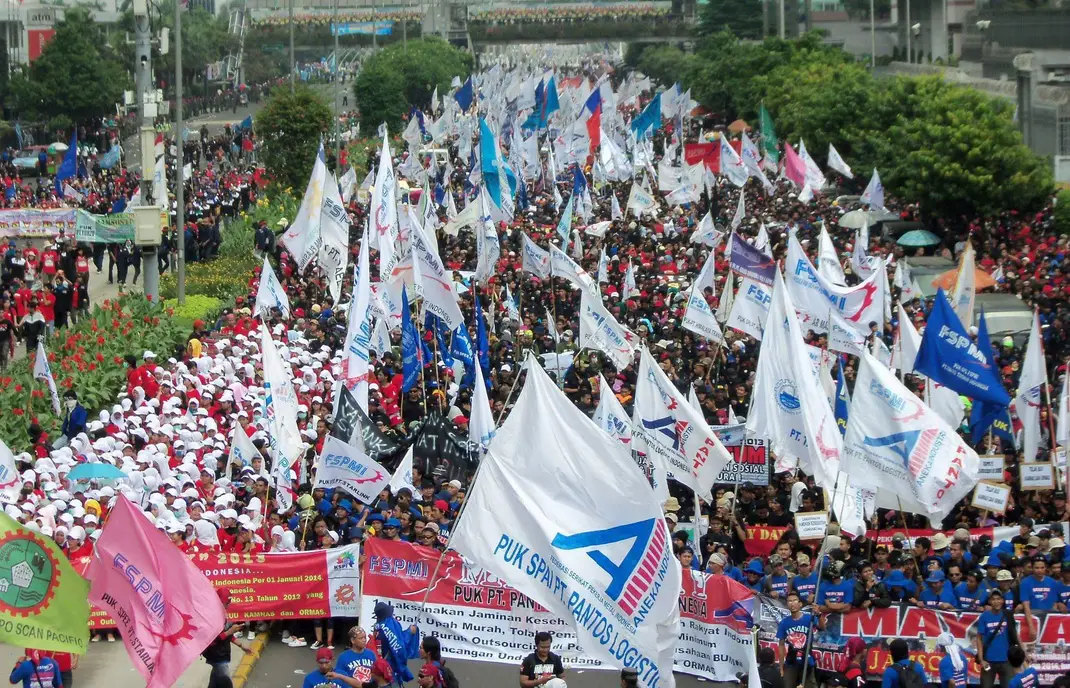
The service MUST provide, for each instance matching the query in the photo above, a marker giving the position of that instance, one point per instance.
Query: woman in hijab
(288, 542)
(953, 665)
(207, 540)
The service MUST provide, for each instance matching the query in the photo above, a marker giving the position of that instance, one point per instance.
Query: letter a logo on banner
(627, 586)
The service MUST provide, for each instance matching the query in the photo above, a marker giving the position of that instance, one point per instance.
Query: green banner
(109, 229)
(44, 603)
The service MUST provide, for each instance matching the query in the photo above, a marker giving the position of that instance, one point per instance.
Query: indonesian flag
(593, 109)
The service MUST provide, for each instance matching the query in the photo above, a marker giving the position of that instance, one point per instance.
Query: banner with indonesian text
(919, 627)
(263, 587)
(476, 617)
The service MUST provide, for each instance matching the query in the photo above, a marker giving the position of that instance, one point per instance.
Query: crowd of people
(171, 431)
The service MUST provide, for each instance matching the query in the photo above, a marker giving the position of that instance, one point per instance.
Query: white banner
(600, 330)
(813, 294)
(346, 467)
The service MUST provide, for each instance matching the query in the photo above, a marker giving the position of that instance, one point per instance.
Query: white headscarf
(206, 533)
(947, 641)
(288, 542)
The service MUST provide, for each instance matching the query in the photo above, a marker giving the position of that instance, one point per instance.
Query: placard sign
(991, 497)
(990, 467)
(811, 525)
(1036, 476)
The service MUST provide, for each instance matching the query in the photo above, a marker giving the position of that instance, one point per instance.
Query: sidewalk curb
(248, 662)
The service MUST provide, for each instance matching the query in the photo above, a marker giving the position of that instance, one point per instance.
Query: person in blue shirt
(900, 588)
(991, 566)
(837, 595)
(954, 666)
(356, 661)
(1064, 591)
(42, 674)
(995, 632)
(1024, 677)
(1038, 592)
(805, 581)
(753, 574)
(937, 593)
(901, 662)
(777, 582)
(969, 594)
(793, 632)
(325, 676)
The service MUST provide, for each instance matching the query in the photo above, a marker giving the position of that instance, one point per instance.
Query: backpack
(449, 679)
(908, 677)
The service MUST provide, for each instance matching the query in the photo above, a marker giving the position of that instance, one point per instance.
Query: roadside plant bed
(87, 358)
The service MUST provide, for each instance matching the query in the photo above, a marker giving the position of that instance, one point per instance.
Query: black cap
(1026, 522)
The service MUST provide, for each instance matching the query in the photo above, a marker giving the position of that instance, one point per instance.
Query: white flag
(383, 213)
(874, 193)
(814, 295)
(600, 330)
(512, 311)
(706, 233)
(728, 295)
(905, 353)
(42, 371)
(481, 427)
(698, 316)
(791, 408)
(564, 267)
(737, 219)
(897, 444)
(945, 402)
(814, 177)
(343, 466)
(1062, 431)
(863, 265)
(1030, 397)
(533, 258)
(332, 251)
(829, 265)
(640, 200)
(614, 207)
(10, 481)
(603, 266)
(750, 308)
(610, 415)
(242, 449)
(732, 165)
(551, 327)
(69, 192)
(905, 282)
(358, 329)
(691, 450)
(630, 288)
(348, 184)
(962, 296)
(835, 162)
(270, 293)
(306, 226)
(280, 407)
(431, 280)
(615, 562)
(402, 477)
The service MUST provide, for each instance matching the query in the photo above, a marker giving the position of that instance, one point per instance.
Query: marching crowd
(171, 431)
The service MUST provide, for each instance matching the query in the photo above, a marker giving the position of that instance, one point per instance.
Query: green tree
(741, 17)
(290, 126)
(76, 75)
(667, 64)
(398, 78)
(1062, 212)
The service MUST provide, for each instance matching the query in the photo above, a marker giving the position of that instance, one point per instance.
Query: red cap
(442, 505)
(324, 653)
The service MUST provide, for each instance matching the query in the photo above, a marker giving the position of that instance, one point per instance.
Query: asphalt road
(285, 667)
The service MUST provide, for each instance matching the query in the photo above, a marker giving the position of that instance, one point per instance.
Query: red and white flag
(166, 610)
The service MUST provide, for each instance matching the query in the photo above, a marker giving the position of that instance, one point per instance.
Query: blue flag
(843, 400)
(461, 350)
(410, 348)
(464, 95)
(550, 103)
(69, 167)
(246, 125)
(649, 120)
(488, 160)
(986, 414)
(118, 206)
(949, 357)
(109, 159)
(443, 343)
(482, 342)
(579, 181)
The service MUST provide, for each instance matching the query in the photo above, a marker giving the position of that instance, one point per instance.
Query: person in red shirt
(33, 258)
(49, 263)
(22, 298)
(46, 301)
(81, 263)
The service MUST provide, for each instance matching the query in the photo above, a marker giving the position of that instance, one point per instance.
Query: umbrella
(58, 147)
(738, 127)
(981, 279)
(919, 237)
(95, 471)
(857, 219)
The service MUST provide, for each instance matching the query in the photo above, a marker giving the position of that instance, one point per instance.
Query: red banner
(707, 153)
(761, 540)
(297, 585)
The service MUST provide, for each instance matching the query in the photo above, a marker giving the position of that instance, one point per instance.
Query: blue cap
(375, 517)
(344, 504)
(754, 566)
(392, 523)
(935, 577)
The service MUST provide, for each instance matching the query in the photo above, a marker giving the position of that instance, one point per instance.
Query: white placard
(991, 497)
(1036, 476)
(811, 525)
(991, 467)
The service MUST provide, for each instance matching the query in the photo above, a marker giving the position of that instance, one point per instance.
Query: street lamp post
(293, 62)
(337, 137)
(180, 183)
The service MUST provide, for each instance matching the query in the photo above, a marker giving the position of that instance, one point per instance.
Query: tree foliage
(291, 126)
(397, 78)
(743, 18)
(950, 149)
(77, 75)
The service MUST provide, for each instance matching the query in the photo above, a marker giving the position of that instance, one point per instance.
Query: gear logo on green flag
(44, 603)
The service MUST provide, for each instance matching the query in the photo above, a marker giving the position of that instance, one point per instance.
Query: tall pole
(143, 69)
(293, 62)
(872, 36)
(337, 86)
(782, 28)
(910, 33)
(180, 183)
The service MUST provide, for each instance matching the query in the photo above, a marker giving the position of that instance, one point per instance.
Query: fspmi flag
(43, 601)
(346, 467)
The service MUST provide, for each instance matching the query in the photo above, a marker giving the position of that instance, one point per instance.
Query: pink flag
(166, 609)
(794, 167)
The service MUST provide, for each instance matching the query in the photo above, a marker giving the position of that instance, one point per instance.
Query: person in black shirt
(217, 654)
(541, 665)
(7, 339)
